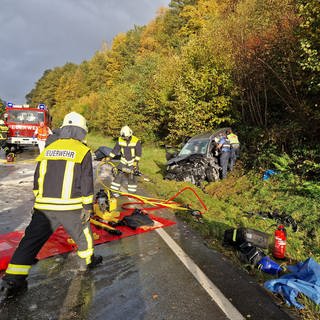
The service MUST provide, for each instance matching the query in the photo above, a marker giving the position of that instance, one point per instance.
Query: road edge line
(224, 304)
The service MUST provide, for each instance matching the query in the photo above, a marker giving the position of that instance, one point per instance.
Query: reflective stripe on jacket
(63, 178)
(42, 133)
(130, 150)
(3, 132)
(233, 138)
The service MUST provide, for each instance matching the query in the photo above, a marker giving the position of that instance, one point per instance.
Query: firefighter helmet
(1, 122)
(75, 119)
(125, 132)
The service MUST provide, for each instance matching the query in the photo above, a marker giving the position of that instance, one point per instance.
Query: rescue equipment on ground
(249, 244)
(280, 217)
(102, 225)
(60, 241)
(137, 219)
(10, 157)
(104, 212)
(267, 174)
(303, 279)
(151, 204)
(269, 266)
(250, 254)
(238, 236)
(105, 203)
(280, 242)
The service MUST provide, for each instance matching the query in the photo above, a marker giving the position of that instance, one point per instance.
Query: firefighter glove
(106, 159)
(85, 215)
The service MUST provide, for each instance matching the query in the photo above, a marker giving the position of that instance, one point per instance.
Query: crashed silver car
(197, 161)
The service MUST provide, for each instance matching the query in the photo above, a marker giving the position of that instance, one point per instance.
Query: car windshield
(25, 116)
(194, 147)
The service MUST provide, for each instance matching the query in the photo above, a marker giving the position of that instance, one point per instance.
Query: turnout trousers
(41, 227)
(121, 177)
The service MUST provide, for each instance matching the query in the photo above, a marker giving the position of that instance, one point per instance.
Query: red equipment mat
(60, 242)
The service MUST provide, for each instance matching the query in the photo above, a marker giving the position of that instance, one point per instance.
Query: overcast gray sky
(36, 35)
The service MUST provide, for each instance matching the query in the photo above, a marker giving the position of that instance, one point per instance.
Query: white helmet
(75, 119)
(125, 132)
(1, 122)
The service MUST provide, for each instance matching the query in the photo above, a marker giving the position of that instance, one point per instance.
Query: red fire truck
(23, 121)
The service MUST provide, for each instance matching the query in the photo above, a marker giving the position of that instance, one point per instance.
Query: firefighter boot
(95, 261)
(11, 288)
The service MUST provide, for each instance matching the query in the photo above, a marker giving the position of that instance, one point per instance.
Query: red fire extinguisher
(280, 242)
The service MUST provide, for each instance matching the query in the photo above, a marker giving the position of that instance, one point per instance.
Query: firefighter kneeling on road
(63, 189)
(130, 149)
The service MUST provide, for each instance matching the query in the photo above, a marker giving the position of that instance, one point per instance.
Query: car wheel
(212, 174)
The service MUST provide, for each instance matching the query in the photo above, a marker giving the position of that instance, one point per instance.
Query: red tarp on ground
(60, 242)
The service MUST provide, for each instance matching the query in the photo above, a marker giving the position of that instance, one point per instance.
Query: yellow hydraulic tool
(105, 206)
(105, 226)
(104, 212)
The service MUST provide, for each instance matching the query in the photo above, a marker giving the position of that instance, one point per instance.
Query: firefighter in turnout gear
(129, 147)
(63, 190)
(3, 135)
(42, 133)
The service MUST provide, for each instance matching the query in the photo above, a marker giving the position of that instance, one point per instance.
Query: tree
(202, 92)
(2, 107)
(309, 33)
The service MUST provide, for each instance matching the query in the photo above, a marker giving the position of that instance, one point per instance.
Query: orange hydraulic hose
(156, 203)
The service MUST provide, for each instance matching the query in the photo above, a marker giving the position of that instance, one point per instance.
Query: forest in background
(199, 65)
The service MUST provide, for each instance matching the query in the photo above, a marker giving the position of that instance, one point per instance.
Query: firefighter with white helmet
(75, 119)
(63, 190)
(130, 149)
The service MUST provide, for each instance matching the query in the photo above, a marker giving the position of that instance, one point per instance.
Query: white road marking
(225, 305)
(4, 208)
(22, 226)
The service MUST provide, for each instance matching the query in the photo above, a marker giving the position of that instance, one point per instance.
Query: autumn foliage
(200, 65)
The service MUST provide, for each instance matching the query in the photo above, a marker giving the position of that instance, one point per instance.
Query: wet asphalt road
(140, 278)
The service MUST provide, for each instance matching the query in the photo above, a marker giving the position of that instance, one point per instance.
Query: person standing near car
(42, 133)
(223, 146)
(63, 190)
(234, 148)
